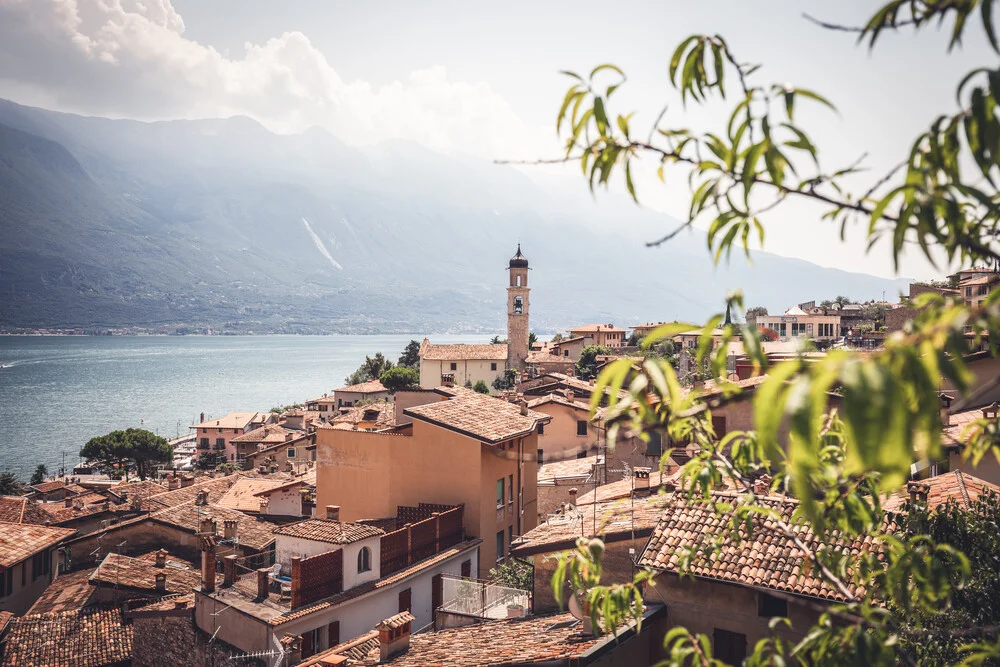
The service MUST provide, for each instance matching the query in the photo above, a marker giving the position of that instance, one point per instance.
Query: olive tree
(940, 200)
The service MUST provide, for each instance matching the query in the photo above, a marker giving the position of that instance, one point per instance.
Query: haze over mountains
(223, 224)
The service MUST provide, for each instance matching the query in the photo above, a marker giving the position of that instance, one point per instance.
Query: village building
(605, 335)
(334, 580)
(54, 490)
(640, 331)
(265, 436)
(93, 637)
(148, 577)
(294, 455)
(373, 416)
(461, 364)
(373, 390)
(974, 285)
(29, 562)
(460, 447)
(216, 435)
(560, 481)
(816, 324)
(19, 509)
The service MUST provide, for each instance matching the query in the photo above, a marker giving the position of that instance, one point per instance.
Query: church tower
(517, 312)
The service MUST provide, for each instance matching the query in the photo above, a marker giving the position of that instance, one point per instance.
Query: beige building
(467, 449)
(346, 397)
(606, 335)
(216, 435)
(29, 562)
(460, 364)
(816, 324)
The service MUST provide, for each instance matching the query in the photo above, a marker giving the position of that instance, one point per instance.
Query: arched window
(364, 559)
(518, 304)
(519, 281)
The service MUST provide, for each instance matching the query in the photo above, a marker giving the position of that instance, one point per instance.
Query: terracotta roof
(92, 503)
(461, 352)
(594, 328)
(541, 357)
(294, 442)
(395, 621)
(68, 592)
(385, 414)
(140, 573)
(356, 650)
(622, 488)
(479, 416)
(961, 487)
(766, 559)
(242, 495)
(573, 467)
(167, 604)
(332, 532)
(370, 387)
(378, 584)
(953, 436)
(216, 488)
(89, 637)
(266, 433)
(18, 509)
(613, 521)
(48, 487)
(232, 420)
(250, 532)
(20, 540)
(142, 489)
(561, 400)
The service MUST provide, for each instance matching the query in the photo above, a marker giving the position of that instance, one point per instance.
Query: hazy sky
(480, 78)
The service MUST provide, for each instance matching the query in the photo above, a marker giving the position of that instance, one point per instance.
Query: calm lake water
(58, 392)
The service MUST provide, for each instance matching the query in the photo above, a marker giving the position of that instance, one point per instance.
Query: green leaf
(600, 116)
(986, 8)
(815, 96)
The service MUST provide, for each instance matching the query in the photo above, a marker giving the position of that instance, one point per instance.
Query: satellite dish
(575, 608)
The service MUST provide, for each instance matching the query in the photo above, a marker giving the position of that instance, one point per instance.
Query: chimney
(229, 529)
(202, 421)
(990, 411)
(289, 436)
(173, 483)
(136, 504)
(762, 485)
(207, 526)
(333, 512)
(262, 582)
(641, 480)
(394, 636)
(572, 496)
(918, 491)
(161, 582)
(292, 645)
(570, 395)
(229, 570)
(186, 481)
(124, 496)
(201, 498)
(77, 504)
(946, 400)
(161, 558)
(207, 546)
(524, 406)
(68, 502)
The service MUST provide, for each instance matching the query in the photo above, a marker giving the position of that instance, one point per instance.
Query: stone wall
(173, 640)
(617, 569)
(897, 318)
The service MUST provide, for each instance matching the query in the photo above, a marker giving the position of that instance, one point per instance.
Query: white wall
(471, 370)
(285, 503)
(286, 547)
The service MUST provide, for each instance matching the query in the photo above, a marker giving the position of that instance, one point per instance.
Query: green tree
(513, 573)
(753, 313)
(371, 369)
(941, 200)
(411, 355)
(532, 339)
(400, 378)
(505, 381)
(210, 460)
(842, 301)
(586, 365)
(118, 450)
(481, 387)
(558, 338)
(41, 472)
(10, 485)
(496, 340)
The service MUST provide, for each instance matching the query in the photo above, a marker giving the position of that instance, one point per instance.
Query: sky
(482, 79)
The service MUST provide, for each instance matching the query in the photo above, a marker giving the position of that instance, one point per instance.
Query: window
(203, 443)
(454, 366)
(7, 583)
(322, 407)
(719, 426)
(493, 366)
(769, 606)
(290, 453)
(467, 568)
(500, 493)
(541, 429)
(510, 489)
(310, 640)
(582, 454)
(565, 353)
(220, 443)
(730, 647)
(541, 455)
(581, 427)
(220, 430)
(340, 402)
(655, 445)
(39, 565)
(404, 601)
(968, 291)
(333, 634)
(364, 560)
(518, 305)
(499, 546)
(517, 280)
(437, 591)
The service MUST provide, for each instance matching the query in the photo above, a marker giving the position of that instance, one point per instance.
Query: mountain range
(193, 224)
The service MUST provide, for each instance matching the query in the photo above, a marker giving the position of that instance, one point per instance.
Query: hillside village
(381, 525)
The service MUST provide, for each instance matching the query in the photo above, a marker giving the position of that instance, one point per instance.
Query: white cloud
(130, 58)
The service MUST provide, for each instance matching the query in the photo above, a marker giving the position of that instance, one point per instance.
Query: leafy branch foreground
(839, 433)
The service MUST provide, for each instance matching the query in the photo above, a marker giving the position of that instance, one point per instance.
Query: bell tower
(517, 311)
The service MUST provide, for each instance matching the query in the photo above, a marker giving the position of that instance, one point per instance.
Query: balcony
(466, 600)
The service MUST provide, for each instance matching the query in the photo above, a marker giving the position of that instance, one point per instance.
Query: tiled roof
(541, 357)
(479, 416)
(555, 639)
(386, 414)
(47, 487)
(378, 584)
(461, 352)
(332, 532)
(92, 503)
(594, 328)
(167, 604)
(561, 400)
(216, 488)
(395, 621)
(142, 489)
(288, 443)
(18, 509)
(766, 559)
(961, 487)
(21, 540)
(242, 495)
(355, 650)
(140, 573)
(573, 467)
(370, 387)
(250, 532)
(90, 637)
(613, 521)
(232, 420)
(68, 592)
(267, 433)
(953, 436)
(622, 488)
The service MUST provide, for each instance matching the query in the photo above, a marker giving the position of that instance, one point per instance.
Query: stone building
(517, 311)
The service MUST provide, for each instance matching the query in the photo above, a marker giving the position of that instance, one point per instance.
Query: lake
(58, 392)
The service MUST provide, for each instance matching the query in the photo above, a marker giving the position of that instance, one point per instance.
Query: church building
(461, 364)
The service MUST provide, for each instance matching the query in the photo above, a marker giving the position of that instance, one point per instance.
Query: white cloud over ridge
(130, 58)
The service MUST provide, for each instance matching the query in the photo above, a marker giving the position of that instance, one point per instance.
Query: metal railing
(483, 599)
